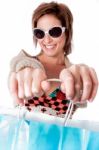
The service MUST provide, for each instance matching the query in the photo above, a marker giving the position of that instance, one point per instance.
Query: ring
(79, 93)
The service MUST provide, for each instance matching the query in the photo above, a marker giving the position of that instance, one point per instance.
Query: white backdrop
(16, 34)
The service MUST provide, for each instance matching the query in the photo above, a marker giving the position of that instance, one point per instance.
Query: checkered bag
(53, 104)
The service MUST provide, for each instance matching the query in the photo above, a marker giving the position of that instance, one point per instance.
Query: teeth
(49, 46)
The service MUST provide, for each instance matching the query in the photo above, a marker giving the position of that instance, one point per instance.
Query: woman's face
(51, 46)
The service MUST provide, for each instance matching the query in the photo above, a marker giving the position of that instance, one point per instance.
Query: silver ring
(79, 93)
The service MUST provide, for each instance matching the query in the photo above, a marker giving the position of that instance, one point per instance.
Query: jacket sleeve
(23, 60)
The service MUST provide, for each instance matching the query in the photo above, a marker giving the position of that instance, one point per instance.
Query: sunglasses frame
(47, 31)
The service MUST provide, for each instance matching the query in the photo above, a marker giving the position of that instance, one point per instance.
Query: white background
(16, 34)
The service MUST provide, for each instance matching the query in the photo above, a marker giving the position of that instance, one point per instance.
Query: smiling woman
(52, 25)
(54, 38)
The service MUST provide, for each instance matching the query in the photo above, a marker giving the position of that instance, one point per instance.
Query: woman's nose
(47, 38)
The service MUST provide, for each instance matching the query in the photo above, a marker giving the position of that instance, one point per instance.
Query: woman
(52, 30)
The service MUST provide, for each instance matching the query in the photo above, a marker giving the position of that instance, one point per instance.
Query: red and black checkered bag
(56, 101)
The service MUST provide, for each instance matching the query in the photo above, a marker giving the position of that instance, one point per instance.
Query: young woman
(28, 82)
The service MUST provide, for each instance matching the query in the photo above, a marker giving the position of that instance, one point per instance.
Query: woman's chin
(49, 53)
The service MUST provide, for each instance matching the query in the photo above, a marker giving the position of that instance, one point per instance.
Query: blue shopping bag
(29, 134)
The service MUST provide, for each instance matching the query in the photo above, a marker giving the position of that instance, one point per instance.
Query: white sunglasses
(54, 32)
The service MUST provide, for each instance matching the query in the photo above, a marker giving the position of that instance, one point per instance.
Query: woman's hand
(79, 83)
(27, 83)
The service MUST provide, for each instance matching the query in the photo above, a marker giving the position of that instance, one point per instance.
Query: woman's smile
(50, 47)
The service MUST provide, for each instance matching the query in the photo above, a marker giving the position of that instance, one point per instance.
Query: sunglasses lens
(55, 32)
(39, 34)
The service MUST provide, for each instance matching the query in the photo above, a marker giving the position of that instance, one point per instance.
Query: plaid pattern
(56, 101)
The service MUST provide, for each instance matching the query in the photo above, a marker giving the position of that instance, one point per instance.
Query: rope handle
(54, 79)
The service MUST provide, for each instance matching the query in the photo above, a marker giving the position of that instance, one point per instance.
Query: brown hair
(62, 13)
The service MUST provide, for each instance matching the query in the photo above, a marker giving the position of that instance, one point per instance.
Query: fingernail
(38, 94)
(69, 98)
(90, 100)
(35, 90)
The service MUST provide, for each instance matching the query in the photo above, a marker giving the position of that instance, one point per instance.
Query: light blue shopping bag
(27, 133)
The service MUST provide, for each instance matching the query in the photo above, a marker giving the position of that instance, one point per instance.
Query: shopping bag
(24, 130)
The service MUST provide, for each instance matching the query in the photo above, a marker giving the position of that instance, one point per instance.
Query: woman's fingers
(67, 85)
(75, 70)
(13, 84)
(79, 83)
(95, 84)
(45, 85)
(87, 83)
(38, 77)
(13, 87)
(29, 82)
(71, 83)
(20, 80)
(26, 84)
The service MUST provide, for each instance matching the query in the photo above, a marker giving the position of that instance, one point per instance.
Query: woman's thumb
(45, 85)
